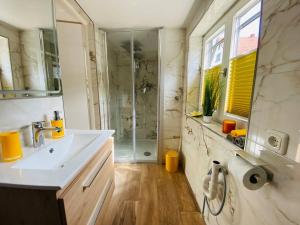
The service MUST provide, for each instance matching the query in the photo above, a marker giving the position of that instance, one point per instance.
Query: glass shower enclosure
(133, 93)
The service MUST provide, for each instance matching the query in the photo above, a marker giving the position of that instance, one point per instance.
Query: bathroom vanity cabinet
(78, 203)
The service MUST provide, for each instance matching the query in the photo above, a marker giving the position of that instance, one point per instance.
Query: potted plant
(211, 99)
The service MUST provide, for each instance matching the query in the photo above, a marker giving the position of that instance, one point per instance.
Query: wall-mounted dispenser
(249, 170)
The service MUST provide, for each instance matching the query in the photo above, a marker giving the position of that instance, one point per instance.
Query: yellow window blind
(214, 72)
(240, 84)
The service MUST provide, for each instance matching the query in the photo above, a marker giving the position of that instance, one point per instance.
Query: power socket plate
(277, 141)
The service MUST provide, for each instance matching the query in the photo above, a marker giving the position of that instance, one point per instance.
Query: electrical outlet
(277, 141)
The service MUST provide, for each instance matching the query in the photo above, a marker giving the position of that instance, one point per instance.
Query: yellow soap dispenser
(57, 122)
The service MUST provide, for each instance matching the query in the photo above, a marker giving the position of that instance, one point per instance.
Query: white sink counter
(57, 163)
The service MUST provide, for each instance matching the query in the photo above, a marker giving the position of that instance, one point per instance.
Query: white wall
(74, 80)
(20, 113)
(70, 10)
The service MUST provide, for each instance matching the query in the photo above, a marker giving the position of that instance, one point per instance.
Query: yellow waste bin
(172, 158)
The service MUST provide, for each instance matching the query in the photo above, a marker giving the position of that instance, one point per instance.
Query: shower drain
(147, 153)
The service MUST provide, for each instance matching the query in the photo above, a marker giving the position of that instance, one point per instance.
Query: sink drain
(147, 153)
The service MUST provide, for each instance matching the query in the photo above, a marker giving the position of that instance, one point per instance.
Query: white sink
(57, 163)
(56, 154)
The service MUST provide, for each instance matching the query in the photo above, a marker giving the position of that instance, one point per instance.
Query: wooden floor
(145, 194)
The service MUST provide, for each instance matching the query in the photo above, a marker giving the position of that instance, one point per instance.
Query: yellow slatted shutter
(240, 84)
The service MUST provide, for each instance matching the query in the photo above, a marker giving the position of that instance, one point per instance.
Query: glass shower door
(145, 59)
(119, 54)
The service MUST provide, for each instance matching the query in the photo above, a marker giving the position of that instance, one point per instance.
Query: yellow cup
(10, 146)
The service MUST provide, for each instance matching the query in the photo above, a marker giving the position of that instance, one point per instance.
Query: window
(214, 49)
(243, 60)
(213, 56)
(247, 30)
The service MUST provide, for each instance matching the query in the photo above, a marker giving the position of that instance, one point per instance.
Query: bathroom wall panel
(102, 76)
(93, 78)
(146, 85)
(70, 10)
(193, 70)
(274, 204)
(20, 113)
(197, 161)
(74, 77)
(172, 68)
(276, 100)
(112, 71)
(275, 105)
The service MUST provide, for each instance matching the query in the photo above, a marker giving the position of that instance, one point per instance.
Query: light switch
(277, 141)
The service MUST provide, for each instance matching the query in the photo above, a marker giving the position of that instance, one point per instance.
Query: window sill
(236, 117)
(214, 127)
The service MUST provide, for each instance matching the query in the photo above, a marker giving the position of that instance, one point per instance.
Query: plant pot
(207, 119)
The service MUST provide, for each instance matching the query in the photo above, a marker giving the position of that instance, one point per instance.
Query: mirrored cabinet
(28, 50)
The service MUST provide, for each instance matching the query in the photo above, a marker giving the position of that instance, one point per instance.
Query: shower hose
(206, 202)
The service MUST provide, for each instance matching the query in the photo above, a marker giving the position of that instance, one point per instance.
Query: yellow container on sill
(238, 133)
(172, 159)
(10, 146)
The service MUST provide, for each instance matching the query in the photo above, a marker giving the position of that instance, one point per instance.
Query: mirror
(28, 50)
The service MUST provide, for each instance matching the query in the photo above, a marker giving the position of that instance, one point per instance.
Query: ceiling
(138, 13)
(27, 15)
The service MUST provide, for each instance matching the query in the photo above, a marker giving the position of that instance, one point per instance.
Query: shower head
(127, 46)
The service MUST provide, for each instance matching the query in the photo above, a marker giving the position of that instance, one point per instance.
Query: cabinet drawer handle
(94, 172)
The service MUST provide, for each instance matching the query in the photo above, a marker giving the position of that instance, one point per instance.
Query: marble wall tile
(276, 203)
(275, 105)
(173, 56)
(200, 147)
(146, 85)
(20, 113)
(93, 77)
(102, 76)
(193, 69)
(276, 101)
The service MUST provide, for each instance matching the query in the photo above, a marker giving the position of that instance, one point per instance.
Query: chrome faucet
(37, 133)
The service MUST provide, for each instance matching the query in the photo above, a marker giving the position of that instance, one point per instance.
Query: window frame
(206, 41)
(228, 24)
(236, 27)
(207, 57)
